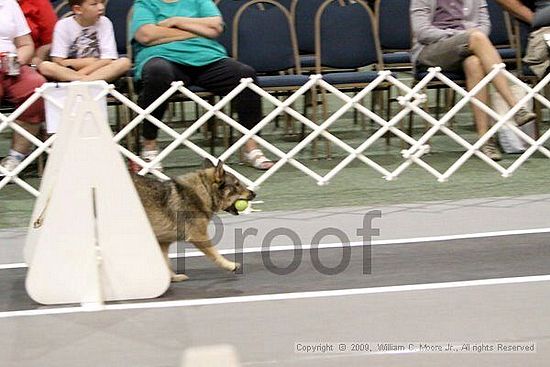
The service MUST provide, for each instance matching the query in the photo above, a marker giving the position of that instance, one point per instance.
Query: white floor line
(280, 296)
(13, 266)
(399, 241)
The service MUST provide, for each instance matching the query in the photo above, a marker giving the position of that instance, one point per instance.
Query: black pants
(219, 77)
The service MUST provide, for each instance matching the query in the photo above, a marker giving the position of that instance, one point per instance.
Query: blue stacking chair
(62, 9)
(117, 11)
(228, 9)
(346, 42)
(346, 39)
(501, 33)
(286, 3)
(395, 45)
(264, 38)
(303, 14)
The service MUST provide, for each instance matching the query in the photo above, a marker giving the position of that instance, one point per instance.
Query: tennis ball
(241, 205)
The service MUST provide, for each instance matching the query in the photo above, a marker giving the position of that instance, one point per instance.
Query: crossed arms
(179, 29)
(85, 65)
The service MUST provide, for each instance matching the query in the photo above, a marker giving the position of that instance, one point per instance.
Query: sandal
(258, 160)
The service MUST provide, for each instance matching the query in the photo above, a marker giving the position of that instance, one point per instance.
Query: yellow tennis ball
(241, 205)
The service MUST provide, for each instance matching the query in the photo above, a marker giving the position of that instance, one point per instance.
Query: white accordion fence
(410, 100)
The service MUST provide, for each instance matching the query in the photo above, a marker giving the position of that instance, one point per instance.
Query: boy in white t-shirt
(84, 47)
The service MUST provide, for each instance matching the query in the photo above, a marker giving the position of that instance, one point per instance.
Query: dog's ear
(219, 172)
(207, 163)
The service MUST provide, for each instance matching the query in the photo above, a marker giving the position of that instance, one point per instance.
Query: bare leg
(258, 160)
(54, 71)
(250, 145)
(110, 72)
(481, 46)
(150, 144)
(21, 144)
(474, 73)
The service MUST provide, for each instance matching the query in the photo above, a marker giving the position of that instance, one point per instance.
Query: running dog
(181, 208)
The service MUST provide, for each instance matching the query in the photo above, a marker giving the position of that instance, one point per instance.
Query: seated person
(521, 9)
(175, 40)
(84, 46)
(533, 12)
(15, 37)
(454, 36)
(41, 19)
(536, 13)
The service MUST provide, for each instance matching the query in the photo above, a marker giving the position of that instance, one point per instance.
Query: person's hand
(36, 61)
(169, 22)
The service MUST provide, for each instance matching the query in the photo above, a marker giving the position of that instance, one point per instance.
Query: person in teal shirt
(175, 40)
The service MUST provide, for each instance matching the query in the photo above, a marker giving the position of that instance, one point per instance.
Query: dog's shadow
(205, 283)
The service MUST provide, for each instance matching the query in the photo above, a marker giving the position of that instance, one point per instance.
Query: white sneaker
(149, 156)
(9, 163)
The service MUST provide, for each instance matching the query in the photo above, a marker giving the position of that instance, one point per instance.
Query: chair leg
(362, 119)
(438, 102)
(169, 113)
(328, 148)
(212, 126)
(289, 123)
(307, 102)
(314, 115)
(43, 136)
(388, 114)
(450, 100)
(427, 109)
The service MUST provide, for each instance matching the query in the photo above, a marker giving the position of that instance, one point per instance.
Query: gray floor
(444, 218)
(265, 331)
(357, 267)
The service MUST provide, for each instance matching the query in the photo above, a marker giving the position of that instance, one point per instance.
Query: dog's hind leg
(175, 277)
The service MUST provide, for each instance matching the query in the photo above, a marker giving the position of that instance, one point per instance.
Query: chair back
(392, 14)
(62, 9)
(264, 37)
(228, 9)
(303, 15)
(346, 36)
(500, 25)
(286, 3)
(117, 11)
(128, 40)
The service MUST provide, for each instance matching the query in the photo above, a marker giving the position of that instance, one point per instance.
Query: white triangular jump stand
(90, 240)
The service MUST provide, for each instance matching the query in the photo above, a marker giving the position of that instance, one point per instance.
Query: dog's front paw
(230, 265)
(179, 278)
(236, 268)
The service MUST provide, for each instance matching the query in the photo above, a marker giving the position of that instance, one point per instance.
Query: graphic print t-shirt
(85, 45)
(73, 41)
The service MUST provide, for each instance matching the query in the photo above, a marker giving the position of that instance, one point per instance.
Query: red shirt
(41, 19)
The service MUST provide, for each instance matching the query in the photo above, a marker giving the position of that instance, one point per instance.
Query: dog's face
(230, 189)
